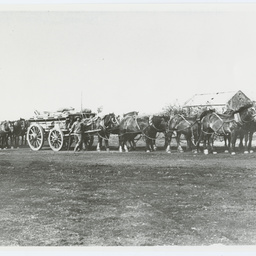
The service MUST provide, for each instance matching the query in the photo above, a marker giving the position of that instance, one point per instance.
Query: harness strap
(142, 131)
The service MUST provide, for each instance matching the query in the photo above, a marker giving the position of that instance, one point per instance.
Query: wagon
(55, 130)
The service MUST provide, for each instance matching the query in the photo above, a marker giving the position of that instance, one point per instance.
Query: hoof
(233, 153)
(226, 151)
(214, 152)
(180, 149)
(107, 150)
(148, 151)
(206, 152)
(168, 151)
(246, 152)
(251, 151)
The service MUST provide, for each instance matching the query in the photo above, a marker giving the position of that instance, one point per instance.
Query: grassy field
(126, 199)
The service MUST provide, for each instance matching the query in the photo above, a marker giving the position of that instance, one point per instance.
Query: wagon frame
(56, 130)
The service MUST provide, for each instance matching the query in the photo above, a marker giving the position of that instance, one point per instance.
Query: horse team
(201, 128)
(13, 132)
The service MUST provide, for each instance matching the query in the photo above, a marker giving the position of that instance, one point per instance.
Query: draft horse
(212, 124)
(181, 125)
(107, 125)
(19, 131)
(6, 128)
(147, 126)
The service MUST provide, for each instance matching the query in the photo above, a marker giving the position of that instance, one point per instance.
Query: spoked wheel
(56, 139)
(35, 137)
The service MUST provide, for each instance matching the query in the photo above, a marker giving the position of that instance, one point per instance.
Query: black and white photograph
(128, 125)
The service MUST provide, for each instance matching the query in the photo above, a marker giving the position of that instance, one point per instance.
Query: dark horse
(188, 126)
(246, 132)
(213, 124)
(6, 128)
(106, 125)
(147, 126)
(19, 131)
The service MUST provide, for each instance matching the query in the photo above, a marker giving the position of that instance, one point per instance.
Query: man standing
(77, 128)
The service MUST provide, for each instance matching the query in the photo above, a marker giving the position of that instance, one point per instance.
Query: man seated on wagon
(77, 128)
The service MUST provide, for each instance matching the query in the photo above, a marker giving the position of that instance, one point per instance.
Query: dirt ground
(126, 199)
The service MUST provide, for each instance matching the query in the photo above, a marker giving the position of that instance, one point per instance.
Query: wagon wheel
(56, 139)
(35, 137)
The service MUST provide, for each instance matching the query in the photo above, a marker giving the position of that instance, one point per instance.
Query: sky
(123, 59)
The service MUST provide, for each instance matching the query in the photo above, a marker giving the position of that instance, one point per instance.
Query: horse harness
(150, 124)
(190, 125)
(221, 127)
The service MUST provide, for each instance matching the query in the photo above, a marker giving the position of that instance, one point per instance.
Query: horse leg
(243, 135)
(193, 141)
(168, 138)
(120, 140)
(189, 142)
(17, 144)
(147, 145)
(246, 146)
(233, 142)
(132, 144)
(125, 142)
(250, 142)
(153, 144)
(99, 144)
(106, 143)
(212, 144)
(165, 140)
(154, 147)
(227, 142)
(7, 137)
(205, 139)
(179, 148)
(200, 138)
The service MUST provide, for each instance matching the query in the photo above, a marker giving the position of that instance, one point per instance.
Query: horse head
(252, 113)
(23, 124)
(247, 113)
(174, 121)
(160, 123)
(4, 127)
(110, 121)
(7, 126)
(206, 112)
(11, 126)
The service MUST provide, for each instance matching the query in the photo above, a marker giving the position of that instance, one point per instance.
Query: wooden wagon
(55, 129)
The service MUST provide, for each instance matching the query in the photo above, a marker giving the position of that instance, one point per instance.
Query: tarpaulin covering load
(238, 100)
